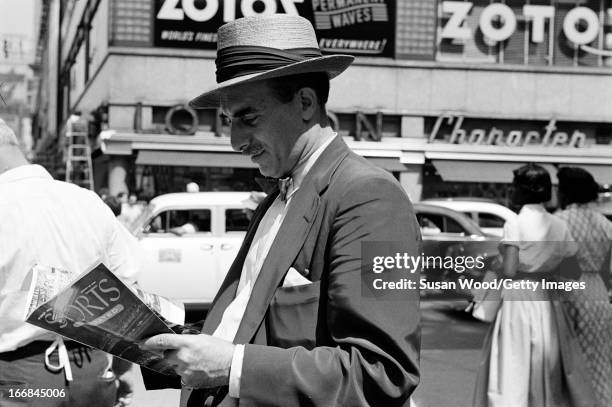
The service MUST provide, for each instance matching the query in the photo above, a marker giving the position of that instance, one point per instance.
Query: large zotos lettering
(179, 9)
(498, 22)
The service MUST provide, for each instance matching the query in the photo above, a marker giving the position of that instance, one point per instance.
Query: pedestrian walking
(55, 224)
(114, 204)
(589, 309)
(290, 325)
(522, 364)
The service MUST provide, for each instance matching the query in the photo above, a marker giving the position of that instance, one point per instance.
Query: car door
(180, 266)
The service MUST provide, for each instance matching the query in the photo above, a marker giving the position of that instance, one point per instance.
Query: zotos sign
(178, 9)
(498, 22)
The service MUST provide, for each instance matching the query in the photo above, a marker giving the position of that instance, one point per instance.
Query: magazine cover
(100, 311)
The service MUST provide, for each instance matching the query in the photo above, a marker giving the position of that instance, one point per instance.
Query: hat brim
(334, 65)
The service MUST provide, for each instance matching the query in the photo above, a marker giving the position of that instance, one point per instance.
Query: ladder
(79, 168)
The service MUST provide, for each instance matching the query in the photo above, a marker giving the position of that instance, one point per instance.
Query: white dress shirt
(57, 224)
(262, 241)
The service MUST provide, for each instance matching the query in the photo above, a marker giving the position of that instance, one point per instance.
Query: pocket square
(293, 278)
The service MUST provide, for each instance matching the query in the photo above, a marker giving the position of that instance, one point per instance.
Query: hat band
(240, 60)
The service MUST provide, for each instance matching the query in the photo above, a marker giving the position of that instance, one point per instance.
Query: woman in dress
(522, 363)
(589, 310)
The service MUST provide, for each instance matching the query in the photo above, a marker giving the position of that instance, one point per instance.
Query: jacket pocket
(293, 314)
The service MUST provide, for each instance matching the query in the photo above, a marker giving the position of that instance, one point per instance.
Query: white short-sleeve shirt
(543, 239)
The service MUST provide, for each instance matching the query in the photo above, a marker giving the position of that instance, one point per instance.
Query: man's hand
(201, 360)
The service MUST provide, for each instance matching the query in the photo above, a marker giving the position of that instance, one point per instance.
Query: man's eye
(225, 121)
(249, 119)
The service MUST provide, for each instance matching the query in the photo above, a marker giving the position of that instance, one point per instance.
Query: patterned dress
(589, 310)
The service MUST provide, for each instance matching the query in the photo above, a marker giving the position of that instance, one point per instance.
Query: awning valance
(481, 171)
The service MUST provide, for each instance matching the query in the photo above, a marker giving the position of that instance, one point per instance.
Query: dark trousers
(92, 384)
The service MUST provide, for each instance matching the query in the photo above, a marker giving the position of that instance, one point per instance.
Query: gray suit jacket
(324, 344)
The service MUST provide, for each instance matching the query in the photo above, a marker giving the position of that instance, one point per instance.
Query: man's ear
(307, 98)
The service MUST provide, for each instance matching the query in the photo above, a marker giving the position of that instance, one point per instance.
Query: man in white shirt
(56, 224)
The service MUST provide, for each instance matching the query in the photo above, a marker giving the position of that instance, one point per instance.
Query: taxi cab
(190, 240)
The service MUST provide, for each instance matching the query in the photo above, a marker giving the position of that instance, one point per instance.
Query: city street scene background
(448, 96)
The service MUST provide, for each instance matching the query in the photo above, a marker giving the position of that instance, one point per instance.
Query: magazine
(97, 309)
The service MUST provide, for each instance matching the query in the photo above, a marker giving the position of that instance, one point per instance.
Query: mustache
(252, 149)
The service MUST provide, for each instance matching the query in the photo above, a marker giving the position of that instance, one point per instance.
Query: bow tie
(269, 185)
(284, 185)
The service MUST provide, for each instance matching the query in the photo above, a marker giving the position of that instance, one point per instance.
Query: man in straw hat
(290, 325)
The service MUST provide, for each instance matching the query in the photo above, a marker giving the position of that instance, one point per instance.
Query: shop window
(155, 180)
(236, 220)
(193, 220)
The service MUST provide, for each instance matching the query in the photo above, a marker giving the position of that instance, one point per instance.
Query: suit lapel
(299, 217)
(290, 237)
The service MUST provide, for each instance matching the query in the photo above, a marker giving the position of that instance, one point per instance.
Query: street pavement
(450, 353)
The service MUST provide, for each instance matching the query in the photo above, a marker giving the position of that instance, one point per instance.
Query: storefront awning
(193, 159)
(481, 171)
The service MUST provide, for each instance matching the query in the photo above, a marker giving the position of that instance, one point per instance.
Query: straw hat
(255, 48)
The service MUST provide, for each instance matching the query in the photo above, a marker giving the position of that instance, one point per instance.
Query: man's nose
(239, 138)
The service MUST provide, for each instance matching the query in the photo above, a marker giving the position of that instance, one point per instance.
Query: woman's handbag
(485, 306)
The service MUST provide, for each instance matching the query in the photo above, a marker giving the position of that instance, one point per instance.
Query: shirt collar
(305, 163)
(24, 172)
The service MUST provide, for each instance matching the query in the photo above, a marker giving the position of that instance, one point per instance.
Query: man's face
(263, 127)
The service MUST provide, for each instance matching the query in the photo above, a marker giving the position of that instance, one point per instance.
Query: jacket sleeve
(374, 355)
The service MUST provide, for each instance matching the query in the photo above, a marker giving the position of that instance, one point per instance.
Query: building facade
(449, 96)
(17, 78)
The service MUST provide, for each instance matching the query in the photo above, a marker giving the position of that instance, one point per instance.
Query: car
(189, 264)
(489, 215)
(190, 239)
(447, 232)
